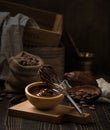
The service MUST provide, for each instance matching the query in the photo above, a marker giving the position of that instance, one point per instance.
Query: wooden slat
(58, 24)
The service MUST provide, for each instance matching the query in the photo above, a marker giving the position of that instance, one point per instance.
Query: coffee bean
(80, 90)
(27, 60)
(84, 105)
(73, 96)
(77, 93)
(78, 97)
(88, 97)
(82, 102)
(81, 94)
(91, 107)
(85, 95)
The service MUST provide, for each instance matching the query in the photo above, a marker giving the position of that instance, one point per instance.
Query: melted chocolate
(44, 91)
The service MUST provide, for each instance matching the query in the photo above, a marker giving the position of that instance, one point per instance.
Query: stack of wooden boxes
(43, 41)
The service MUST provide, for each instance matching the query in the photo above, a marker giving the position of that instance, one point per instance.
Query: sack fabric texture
(21, 75)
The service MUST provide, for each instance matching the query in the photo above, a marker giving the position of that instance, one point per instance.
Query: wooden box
(50, 23)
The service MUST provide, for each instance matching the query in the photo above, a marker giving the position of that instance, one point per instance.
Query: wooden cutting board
(59, 114)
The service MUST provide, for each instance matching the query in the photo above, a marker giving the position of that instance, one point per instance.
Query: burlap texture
(20, 75)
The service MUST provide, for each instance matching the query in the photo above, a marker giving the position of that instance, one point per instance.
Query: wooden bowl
(42, 102)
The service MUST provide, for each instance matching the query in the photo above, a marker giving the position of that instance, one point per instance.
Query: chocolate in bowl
(44, 90)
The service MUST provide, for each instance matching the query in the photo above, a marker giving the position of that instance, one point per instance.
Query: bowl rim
(40, 97)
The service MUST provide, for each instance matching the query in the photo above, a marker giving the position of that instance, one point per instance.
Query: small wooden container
(50, 24)
(42, 102)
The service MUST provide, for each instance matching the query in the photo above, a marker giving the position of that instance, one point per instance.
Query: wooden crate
(50, 31)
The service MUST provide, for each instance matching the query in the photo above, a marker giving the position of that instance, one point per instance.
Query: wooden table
(101, 118)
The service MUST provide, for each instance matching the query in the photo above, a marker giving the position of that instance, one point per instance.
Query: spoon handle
(66, 85)
(73, 103)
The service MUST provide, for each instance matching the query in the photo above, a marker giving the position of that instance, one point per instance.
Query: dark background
(88, 23)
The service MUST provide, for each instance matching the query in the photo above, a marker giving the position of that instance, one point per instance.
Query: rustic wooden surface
(59, 114)
(100, 115)
(101, 118)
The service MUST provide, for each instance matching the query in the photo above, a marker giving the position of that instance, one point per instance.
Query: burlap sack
(21, 75)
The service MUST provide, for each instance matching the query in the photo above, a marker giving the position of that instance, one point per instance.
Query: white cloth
(105, 88)
(11, 38)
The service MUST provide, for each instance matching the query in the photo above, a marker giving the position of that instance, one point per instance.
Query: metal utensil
(65, 84)
(47, 74)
